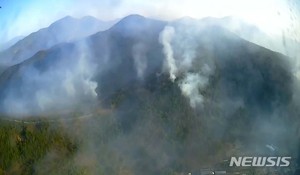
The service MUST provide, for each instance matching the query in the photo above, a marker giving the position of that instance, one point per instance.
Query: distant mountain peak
(131, 19)
(89, 18)
(134, 17)
(66, 18)
(66, 29)
(133, 22)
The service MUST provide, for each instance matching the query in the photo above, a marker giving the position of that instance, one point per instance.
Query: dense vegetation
(149, 129)
(23, 146)
(145, 125)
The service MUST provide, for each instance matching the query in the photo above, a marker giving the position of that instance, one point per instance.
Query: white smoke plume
(180, 54)
(65, 85)
(190, 88)
(192, 85)
(140, 59)
(165, 39)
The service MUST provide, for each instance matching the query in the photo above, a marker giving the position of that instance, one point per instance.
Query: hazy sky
(21, 17)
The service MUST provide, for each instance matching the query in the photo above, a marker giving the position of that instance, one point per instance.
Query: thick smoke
(62, 83)
(194, 80)
(240, 98)
(190, 86)
(166, 39)
(239, 90)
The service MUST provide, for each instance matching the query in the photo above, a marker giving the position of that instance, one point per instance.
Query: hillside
(67, 29)
(183, 95)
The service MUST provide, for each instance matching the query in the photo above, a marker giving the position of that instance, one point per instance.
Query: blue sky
(22, 17)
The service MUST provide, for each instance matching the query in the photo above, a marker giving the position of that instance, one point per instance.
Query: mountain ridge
(114, 51)
(56, 33)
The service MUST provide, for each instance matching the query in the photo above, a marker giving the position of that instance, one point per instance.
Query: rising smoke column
(166, 37)
(184, 44)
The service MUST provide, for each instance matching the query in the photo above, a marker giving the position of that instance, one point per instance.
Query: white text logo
(260, 161)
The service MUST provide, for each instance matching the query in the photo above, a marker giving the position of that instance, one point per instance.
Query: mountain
(67, 29)
(192, 89)
(10, 43)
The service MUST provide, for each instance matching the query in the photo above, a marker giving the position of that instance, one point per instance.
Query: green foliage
(23, 146)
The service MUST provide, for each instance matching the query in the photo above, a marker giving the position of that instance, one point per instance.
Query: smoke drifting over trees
(166, 97)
